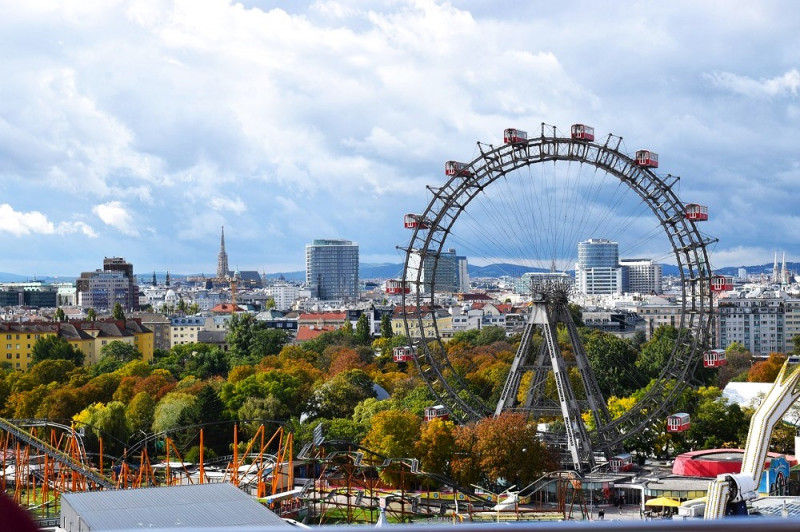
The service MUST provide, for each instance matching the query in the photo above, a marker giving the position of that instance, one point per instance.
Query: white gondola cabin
(514, 136)
(455, 168)
(582, 132)
(621, 462)
(721, 283)
(436, 412)
(414, 221)
(395, 286)
(698, 213)
(714, 358)
(403, 354)
(647, 159)
(678, 422)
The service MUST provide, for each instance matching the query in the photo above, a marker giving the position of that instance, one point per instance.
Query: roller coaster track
(59, 456)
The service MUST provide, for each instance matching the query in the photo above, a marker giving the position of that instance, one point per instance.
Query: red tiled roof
(324, 316)
(227, 308)
(309, 332)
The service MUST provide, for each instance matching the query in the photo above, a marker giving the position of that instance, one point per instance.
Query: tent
(662, 502)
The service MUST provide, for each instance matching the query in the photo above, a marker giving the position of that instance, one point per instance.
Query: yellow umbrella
(663, 501)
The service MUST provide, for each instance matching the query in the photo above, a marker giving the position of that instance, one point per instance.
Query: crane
(728, 493)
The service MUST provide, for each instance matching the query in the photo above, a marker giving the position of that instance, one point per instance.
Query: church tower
(222, 258)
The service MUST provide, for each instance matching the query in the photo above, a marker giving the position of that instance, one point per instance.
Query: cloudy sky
(139, 128)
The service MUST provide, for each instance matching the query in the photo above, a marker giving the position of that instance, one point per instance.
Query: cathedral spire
(222, 258)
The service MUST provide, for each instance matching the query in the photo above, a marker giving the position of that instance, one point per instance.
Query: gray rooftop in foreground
(220, 506)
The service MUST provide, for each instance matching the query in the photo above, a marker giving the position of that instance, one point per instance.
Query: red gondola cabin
(698, 213)
(455, 168)
(721, 283)
(395, 286)
(414, 221)
(678, 422)
(582, 132)
(647, 159)
(403, 354)
(621, 462)
(714, 358)
(434, 412)
(514, 136)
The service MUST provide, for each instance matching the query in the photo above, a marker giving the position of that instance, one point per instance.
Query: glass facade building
(598, 270)
(332, 270)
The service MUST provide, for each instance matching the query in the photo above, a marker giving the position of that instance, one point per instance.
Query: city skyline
(138, 130)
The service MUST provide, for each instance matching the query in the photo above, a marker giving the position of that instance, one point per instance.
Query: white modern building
(643, 276)
(598, 270)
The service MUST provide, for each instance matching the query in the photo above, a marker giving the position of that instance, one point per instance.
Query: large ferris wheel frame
(451, 199)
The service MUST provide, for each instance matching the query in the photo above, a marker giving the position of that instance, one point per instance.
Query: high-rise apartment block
(332, 269)
(115, 283)
(598, 270)
(642, 276)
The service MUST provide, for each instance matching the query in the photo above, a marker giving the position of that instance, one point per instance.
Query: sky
(140, 128)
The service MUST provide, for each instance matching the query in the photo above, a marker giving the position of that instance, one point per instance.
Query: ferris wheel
(529, 201)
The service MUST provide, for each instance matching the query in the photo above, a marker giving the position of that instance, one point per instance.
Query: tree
(121, 351)
(54, 347)
(59, 315)
(386, 326)
(393, 433)
(436, 446)
(91, 314)
(339, 396)
(251, 340)
(170, 411)
(105, 421)
(508, 448)
(117, 313)
(766, 370)
(612, 360)
(657, 351)
(363, 334)
(140, 413)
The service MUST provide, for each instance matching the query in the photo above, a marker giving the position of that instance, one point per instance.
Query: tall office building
(642, 276)
(115, 283)
(598, 270)
(332, 269)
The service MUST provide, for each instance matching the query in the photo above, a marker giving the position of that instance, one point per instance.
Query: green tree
(338, 397)
(117, 313)
(59, 315)
(140, 413)
(612, 360)
(170, 411)
(91, 314)
(251, 340)
(393, 433)
(55, 347)
(105, 421)
(657, 351)
(121, 351)
(363, 334)
(386, 326)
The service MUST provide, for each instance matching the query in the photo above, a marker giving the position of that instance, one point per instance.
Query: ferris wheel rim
(451, 199)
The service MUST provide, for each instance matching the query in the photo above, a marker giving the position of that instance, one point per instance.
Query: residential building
(657, 311)
(332, 269)
(425, 320)
(598, 270)
(284, 294)
(88, 336)
(185, 329)
(755, 320)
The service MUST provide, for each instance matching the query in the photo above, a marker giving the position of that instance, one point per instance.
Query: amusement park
(586, 429)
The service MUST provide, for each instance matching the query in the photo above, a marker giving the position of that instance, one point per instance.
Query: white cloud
(117, 216)
(34, 222)
(786, 84)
